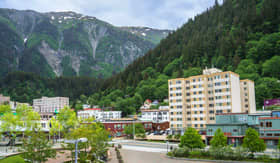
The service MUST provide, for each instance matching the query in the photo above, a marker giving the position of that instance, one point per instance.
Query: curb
(193, 159)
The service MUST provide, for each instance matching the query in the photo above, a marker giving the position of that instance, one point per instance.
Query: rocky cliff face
(68, 44)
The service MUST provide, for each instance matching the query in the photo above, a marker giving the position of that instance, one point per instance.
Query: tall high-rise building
(195, 100)
(248, 101)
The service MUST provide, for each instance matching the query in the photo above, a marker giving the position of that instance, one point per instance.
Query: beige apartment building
(47, 106)
(194, 101)
(4, 99)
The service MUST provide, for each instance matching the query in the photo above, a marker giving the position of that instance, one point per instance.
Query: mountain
(239, 35)
(149, 34)
(67, 44)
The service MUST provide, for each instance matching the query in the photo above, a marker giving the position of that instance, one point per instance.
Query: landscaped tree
(67, 118)
(36, 147)
(219, 139)
(253, 142)
(97, 140)
(191, 139)
(139, 130)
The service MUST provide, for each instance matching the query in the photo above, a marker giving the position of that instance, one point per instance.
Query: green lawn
(13, 159)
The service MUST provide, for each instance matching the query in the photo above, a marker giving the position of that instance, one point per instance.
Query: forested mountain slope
(239, 35)
(66, 44)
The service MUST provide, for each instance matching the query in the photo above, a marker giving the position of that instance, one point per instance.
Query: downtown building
(194, 101)
(48, 106)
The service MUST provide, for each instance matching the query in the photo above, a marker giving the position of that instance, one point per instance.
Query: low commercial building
(270, 129)
(116, 126)
(4, 99)
(98, 114)
(234, 125)
(155, 115)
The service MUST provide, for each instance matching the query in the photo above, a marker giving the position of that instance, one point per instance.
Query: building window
(234, 130)
(261, 124)
(246, 106)
(188, 100)
(193, 80)
(178, 82)
(189, 119)
(245, 83)
(195, 119)
(210, 130)
(201, 112)
(195, 125)
(211, 105)
(201, 118)
(269, 134)
(211, 112)
(194, 86)
(188, 94)
(212, 118)
(246, 100)
(226, 75)
(195, 112)
(194, 93)
(188, 112)
(277, 134)
(268, 124)
(201, 105)
(187, 82)
(201, 125)
(187, 88)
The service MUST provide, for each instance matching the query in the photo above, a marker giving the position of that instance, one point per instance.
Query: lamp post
(76, 146)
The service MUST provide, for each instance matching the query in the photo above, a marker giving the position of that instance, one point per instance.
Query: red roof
(92, 109)
(148, 100)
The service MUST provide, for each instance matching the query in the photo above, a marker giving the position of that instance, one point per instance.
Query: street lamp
(76, 146)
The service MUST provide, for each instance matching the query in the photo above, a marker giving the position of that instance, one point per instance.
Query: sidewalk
(112, 156)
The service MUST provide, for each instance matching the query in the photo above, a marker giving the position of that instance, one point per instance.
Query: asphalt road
(132, 156)
(145, 146)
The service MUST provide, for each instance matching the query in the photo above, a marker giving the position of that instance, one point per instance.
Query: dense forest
(239, 35)
(24, 87)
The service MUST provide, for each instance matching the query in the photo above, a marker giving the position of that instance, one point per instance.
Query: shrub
(177, 137)
(195, 153)
(171, 154)
(181, 152)
(264, 158)
(222, 153)
(205, 153)
(241, 153)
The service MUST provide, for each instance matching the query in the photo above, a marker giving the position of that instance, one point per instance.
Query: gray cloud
(164, 14)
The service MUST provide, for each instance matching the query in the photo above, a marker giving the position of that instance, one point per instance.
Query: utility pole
(133, 130)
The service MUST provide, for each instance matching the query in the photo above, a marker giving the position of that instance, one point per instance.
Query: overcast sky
(163, 14)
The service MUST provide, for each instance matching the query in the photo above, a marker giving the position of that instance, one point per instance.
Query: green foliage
(191, 139)
(253, 142)
(243, 39)
(219, 140)
(36, 147)
(271, 67)
(68, 119)
(97, 140)
(220, 153)
(181, 152)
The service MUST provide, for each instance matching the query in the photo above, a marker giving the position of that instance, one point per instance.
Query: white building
(98, 114)
(155, 115)
(50, 104)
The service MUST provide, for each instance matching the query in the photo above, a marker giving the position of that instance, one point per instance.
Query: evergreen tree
(219, 140)
(191, 139)
(253, 142)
